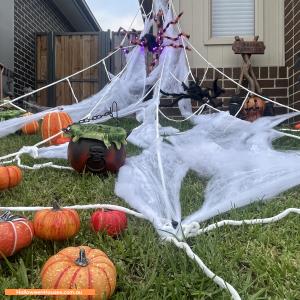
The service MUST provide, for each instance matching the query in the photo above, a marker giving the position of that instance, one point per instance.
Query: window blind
(233, 17)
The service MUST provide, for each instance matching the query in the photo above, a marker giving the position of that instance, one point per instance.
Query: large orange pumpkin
(80, 268)
(53, 123)
(30, 128)
(112, 222)
(15, 233)
(253, 108)
(10, 176)
(56, 224)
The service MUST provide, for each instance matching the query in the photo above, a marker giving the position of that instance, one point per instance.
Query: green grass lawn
(261, 262)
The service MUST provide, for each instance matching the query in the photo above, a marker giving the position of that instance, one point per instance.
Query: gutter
(87, 14)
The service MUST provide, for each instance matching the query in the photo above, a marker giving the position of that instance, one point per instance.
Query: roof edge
(88, 14)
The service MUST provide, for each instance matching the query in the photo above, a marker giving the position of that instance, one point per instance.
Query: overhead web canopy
(235, 156)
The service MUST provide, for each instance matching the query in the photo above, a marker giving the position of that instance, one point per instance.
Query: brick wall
(32, 16)
(292, 48)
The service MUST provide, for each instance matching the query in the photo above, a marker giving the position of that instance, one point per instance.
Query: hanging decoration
(156, 44)
(195, 92)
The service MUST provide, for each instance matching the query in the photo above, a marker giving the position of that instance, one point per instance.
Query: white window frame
(258, 25)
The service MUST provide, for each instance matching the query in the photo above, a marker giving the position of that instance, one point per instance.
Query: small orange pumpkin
(56, 224)
(16, 233)
(297, 126)
(10, 176)
(30, 128)
(80, 268)
(53, 123)
(112, 222)
(253, 108)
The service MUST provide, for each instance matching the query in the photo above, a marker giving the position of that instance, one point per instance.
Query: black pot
(90, 155)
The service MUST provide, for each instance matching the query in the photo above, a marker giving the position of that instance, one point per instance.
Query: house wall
(269, 26)
(7, 40)
(32, 16)
(270, 68)
(292, 49)
(7, 33)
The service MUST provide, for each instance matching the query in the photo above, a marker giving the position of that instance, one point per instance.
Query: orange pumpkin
(10, 176)
(53, 123)
(112, 222)
(253, 108)
(30, 128)
(62, 140)
(16, 233)
(56, 224)
(297, 126)
(80, 268)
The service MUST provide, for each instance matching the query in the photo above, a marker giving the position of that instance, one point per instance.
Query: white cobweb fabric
(239, 161)
(236, 157)
(125, 90)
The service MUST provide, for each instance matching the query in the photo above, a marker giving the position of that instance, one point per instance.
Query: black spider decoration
(195, 92)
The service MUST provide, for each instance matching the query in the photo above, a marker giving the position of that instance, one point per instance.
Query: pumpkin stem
(55, 205)
(8, 216)
(82, 261)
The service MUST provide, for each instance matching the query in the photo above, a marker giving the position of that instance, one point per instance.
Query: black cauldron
(91, 155)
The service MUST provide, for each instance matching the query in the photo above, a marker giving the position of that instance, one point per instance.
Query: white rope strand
(62, 79)
(204, 76)
(216, 279)
(213, 108)
(183, 43)
(9, 102)
(127, 32)
(193, 229)
(242, 104)
(158, 144)
(72, 91)
(291, 135)
(107, 73)
(40, 166)
(244, 88)
(175, 78)
(7, 162)
(291, 130)
(198, 111)
(77, 207)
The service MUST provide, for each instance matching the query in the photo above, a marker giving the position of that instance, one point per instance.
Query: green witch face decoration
(106, 134)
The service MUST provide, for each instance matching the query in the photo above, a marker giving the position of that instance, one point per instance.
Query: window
(228, 18)
(232, 17)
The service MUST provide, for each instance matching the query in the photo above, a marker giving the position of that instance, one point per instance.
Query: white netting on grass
(235, 156)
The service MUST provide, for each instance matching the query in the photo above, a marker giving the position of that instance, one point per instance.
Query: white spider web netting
(235, 156)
